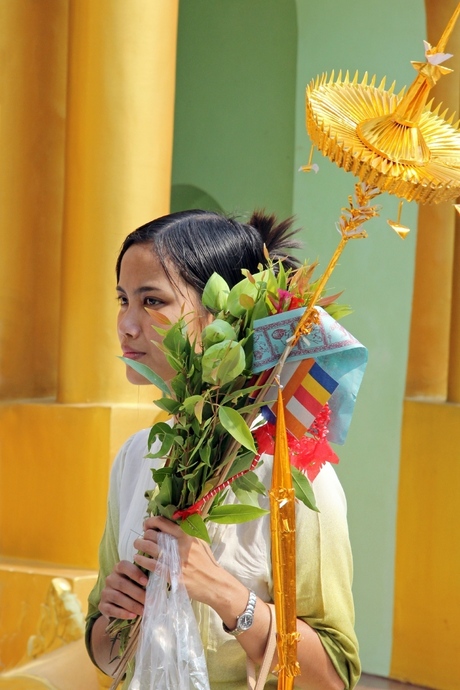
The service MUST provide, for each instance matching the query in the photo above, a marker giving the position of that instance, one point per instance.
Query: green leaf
(166, 443)
(338, 311)
(179, 387)
(161, 473)
(168, 405)
(198, 409)
(255, 406)
(190, 402)
(260, 310)
(148, 374)
(223, 362)
(250, 482)
(243, 461)
(173, 361)
(232, 364)
(244, 287)
(157, 432)
(243, 392)
(281, 277)
(303, 489)
(164, 496)
(167, 511)
(235, 514)
(195, 526)
(215, 293)
(205, 454)
(234, 423)
(247, 301)
(174, 340)
(248, 498)
(217, 331)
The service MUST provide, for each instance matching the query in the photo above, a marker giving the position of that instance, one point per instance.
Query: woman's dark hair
(195, 244)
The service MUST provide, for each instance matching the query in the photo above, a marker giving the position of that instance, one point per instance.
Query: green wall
(235, 104)
(243, 66)
(377, 274)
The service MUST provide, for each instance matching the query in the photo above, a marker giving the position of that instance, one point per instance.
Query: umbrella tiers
(394, 142)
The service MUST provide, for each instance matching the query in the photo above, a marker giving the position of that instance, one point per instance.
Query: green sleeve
(324, 581)
(108, 553)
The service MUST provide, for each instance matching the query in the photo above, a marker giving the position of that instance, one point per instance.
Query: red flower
(286, 302)
(309, 453)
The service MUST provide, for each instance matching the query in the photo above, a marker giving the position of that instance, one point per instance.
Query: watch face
(245, 621)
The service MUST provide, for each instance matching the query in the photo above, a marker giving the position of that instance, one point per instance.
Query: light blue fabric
(332, 346)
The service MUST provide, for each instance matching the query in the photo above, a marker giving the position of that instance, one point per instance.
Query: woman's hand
(209, 583)
(199, 567)
(124, 593)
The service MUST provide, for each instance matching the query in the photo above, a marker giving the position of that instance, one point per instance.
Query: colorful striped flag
(306, 389)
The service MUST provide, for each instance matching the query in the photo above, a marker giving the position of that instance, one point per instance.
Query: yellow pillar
(428, 364)
(453, 391)
(87, 138)
(32, 136)
(426, 604)
(118, 170)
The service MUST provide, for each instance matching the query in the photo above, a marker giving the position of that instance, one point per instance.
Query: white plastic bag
(170, 653)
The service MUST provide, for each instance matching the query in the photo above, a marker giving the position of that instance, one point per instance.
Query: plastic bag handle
(259, 683)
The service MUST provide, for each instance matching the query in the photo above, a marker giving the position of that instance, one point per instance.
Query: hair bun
(277, 237)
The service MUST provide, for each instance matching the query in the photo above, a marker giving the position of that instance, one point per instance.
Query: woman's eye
(122, 300)
(151, 302)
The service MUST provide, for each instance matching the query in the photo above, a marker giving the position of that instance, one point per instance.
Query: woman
(163, 266)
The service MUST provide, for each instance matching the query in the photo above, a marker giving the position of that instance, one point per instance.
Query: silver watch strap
(247, 613)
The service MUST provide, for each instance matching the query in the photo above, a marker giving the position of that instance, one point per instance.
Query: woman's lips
(133, 354)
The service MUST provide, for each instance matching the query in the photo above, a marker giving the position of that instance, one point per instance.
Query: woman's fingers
(124, 595)
(117, 605)
(148, 543)
(161, 524)
(148, 547)
(130, 571)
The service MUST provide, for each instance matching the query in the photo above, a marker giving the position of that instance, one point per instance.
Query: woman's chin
(138, 380)
(135, 378)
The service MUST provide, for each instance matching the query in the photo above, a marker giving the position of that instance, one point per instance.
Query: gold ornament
(393, 142)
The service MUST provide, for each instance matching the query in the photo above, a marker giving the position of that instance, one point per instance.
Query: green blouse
(324, 565)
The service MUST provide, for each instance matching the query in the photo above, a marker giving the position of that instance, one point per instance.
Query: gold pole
(282, 523)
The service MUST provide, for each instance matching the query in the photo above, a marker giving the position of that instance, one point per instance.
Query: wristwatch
(246, 619)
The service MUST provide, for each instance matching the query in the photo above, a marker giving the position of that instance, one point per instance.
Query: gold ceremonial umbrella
(392, 142)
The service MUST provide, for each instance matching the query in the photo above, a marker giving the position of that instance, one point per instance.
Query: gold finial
(393, 142)
(441, 46)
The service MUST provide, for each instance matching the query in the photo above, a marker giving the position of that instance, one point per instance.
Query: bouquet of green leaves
(214, 399)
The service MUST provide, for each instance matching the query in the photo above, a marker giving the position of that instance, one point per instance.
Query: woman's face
(143, 285)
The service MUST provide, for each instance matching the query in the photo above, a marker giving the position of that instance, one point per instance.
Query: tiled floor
(376, 683)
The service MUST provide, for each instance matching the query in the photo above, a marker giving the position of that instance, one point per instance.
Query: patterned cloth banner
(327, 365)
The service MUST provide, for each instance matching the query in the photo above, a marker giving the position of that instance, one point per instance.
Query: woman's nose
(128, 324)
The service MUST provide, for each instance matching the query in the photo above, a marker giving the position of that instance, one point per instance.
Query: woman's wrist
(102, 649)
(227, 596)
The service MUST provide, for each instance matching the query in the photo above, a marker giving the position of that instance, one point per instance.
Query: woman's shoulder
(133, 449)
(327, 488)
(137, 446)
(137, 441)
